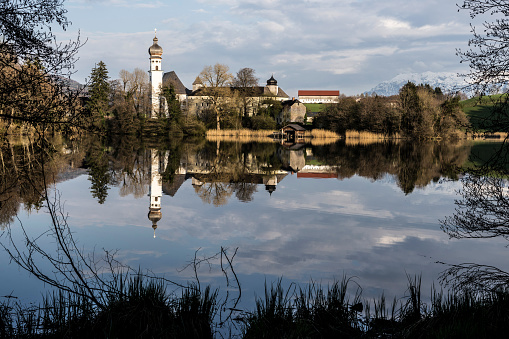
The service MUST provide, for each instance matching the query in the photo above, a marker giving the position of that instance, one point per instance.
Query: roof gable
(172, 78)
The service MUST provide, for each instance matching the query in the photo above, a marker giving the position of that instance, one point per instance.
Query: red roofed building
(318, 97)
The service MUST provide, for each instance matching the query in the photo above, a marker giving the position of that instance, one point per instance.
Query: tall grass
(239, 133)
(365, 135)
(312, 312)
(321, 134)
(143, 308)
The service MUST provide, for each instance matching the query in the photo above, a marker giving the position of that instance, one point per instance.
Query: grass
(480, 110)
(321, 134)
(353, 138)
(142, 308)
(315, 107)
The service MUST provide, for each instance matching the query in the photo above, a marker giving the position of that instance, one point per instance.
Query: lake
(300, 213)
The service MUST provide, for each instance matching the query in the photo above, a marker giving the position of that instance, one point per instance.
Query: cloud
(323, 41)
(122, 3)
(336, 62)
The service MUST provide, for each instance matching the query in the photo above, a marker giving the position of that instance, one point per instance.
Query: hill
(480, 111)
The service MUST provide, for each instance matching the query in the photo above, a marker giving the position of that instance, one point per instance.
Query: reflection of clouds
(307, 229)
(334, 202)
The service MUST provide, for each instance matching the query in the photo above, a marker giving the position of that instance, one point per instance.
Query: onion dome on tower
(272, 86)
(272, 81)
(155, 50)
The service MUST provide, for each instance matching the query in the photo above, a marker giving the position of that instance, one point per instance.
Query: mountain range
(447, 81)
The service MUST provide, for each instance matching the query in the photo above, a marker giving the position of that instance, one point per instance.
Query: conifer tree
(99, 91)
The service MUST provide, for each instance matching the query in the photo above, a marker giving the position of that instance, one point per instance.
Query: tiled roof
(295, 127)
(172, 78)
(291, 102)
(257, 91)
(316, 93)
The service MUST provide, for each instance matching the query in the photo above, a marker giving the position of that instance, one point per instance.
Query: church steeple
(156, 74)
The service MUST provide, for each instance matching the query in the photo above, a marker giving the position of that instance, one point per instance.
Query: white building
(318, 96)
(193, 101)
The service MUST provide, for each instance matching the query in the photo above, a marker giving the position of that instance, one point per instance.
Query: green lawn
(315, 107)
(479, 110)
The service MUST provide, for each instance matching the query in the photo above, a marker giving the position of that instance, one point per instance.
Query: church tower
(272, 86)
(156, 76)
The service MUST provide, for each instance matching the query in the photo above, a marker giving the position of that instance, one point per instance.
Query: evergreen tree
(410, 108)
(174, 111)
(99, 91)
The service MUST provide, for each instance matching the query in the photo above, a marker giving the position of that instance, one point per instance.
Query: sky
(345, 45)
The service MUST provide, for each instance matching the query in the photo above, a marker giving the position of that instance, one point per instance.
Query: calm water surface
(299, 212)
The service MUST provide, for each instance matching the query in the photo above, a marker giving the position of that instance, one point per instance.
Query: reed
(239, 133)
(321, 141)
(365, 135)
(496, 136)
(140, 308)
(321, 134)
(241, 139)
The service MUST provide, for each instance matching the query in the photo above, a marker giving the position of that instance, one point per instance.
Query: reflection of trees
(22, 175)
(231, 170)
(413, 164)
(99, 171)
(483, 210)
(244, 190)
(216, 193)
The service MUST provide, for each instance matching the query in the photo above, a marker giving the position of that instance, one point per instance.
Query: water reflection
(265, 199)
(218, 171)
(156, 189)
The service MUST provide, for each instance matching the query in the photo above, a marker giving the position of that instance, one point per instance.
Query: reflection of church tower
(270, 183)
(156, 190)
(156, 76)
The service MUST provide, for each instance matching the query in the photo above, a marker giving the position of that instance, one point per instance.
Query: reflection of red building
(317, 172)
(317, 175)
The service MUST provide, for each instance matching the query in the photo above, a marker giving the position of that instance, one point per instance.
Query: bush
(193, 127)
(258, 122)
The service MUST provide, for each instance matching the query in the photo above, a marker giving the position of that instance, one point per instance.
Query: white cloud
(369, 39)
(336, 62)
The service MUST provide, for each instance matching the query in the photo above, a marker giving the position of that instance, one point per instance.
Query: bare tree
(135, 89)
(483, 210)
(488, 58)
(34, 66)
(217, 81)
(489, 55)
(245, 82)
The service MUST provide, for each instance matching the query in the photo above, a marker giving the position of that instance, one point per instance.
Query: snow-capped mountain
(447, 81)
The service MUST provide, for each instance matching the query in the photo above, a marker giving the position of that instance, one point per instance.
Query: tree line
(418, 112)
